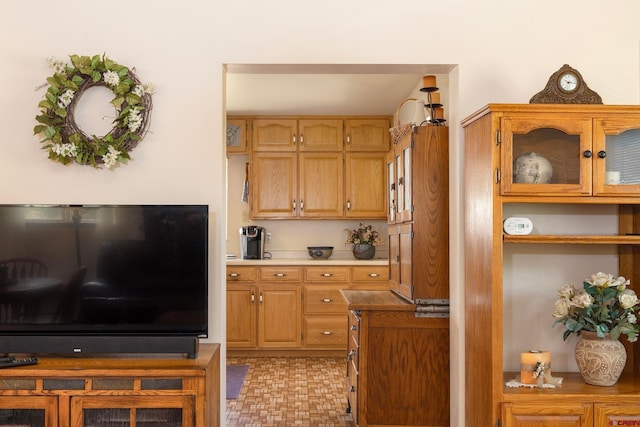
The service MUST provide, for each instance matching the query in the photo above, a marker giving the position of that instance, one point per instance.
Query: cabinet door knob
(234, 275)
(374, 275)
(602, 154)
(327, 274)
(354, 328)
(587, 153)
(327, 300)
(280, 275)
(326, 333)
(352, 388)
(351, 354)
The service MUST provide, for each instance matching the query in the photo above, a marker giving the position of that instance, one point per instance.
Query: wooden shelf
(573, 385)
(573, 239)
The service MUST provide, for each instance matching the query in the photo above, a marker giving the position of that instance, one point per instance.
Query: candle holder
(436, 113)
(433, 105)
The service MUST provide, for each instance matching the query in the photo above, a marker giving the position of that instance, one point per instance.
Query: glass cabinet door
(28, 411)
(403, 170)
(391, 187)
(617, 150)
(546, 156)
(132, 411)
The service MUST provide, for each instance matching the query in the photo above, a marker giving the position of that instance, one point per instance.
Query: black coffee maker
(252, 239)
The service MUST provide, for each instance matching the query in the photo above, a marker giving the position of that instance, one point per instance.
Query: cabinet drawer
(354, 340)
(241, 274)
(331, 274)
(352, 390)
(325, 331)
(280, 274)
(370, 277)
(323, 299)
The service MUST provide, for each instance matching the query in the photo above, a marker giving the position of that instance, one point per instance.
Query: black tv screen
(97, 276)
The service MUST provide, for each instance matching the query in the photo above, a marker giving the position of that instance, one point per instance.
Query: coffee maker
(252, 239)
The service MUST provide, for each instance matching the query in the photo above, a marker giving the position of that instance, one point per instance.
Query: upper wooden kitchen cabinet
(237, 135)
(290, 134)
(418, 216)
(300, 168)
(367, 134)
(365, 182)
(292, 185)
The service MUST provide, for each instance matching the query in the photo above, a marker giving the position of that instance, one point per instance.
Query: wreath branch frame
(61, 135)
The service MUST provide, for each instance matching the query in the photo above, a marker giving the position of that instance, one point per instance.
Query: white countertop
(339, 257)
(308, 261)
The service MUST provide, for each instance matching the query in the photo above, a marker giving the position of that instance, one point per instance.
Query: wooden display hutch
(594, 151)
(149, 390)
(418, 216)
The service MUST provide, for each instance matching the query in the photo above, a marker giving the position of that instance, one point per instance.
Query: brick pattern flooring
(291, 391)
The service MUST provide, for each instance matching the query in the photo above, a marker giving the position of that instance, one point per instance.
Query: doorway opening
(313, 89)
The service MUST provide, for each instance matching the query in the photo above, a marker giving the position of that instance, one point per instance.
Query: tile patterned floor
(291, 391)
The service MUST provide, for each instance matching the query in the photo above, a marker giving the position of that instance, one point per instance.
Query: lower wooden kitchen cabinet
(397, 363)
(293, 307)
(151, 390)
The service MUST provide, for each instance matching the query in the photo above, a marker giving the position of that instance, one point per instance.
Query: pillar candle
(528, 362)
(435, 97)
(429, 81)
(439, 113)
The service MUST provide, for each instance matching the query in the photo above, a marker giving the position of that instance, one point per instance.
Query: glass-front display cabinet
(569, 156)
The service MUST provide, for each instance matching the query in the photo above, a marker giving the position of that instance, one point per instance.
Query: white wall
(505, 51)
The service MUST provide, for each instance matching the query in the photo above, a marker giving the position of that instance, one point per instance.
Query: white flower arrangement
(60, 134)
(605, 305)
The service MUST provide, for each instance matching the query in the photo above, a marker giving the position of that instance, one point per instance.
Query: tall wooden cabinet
(594, 152)
(418, 215)
(318, 167)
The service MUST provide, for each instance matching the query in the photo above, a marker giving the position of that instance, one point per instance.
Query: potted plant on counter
(363, 240)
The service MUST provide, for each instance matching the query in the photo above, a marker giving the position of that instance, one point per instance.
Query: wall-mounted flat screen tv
(103, 278)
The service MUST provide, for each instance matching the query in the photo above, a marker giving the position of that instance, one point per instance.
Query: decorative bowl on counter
(320, 252)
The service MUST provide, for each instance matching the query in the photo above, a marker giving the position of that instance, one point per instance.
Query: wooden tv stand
(142, 390)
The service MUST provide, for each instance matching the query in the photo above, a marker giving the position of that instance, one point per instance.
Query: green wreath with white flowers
(60, 134)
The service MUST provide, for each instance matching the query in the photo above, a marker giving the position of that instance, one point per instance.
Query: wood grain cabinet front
(290, 307)
(574, 152)
(567, 414)
(398, 369)
(170, 391)
(418, 191)
(325, 311)
(586, 159)
(370, 277)
(301, 167)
